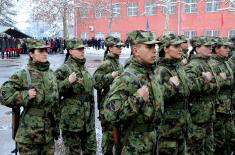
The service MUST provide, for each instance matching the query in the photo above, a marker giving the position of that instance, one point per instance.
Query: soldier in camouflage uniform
(77, 102)
(184, 49)
(224, 129)
(203, 86)
(135, 98)
(103, 78)
(38, 99)
(173, 129)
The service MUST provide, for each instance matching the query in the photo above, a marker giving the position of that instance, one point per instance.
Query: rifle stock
(15, 125)
(116, 140)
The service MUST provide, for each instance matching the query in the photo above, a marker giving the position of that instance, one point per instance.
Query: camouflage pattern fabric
(36, 43)
(202, 99)
(35, 126)
(47, 149)
(75, 44)
(102, 81)
(174, 126)
(77, 105)
(224, 129)
(125, 107)
(111, 41)
(141, 36)
(77, 142)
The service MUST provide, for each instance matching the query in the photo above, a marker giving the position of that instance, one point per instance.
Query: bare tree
(6, 12)
(56, 11)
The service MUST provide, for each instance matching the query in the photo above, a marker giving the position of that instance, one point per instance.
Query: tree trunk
(110, 20)
(167, 14)
(65, 25)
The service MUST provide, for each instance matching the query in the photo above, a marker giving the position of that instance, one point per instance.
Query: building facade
(188, 17)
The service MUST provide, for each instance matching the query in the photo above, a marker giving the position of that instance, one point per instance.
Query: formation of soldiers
(164, 100)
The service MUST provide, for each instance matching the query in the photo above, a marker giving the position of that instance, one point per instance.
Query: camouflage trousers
(141, 143)
(201, 139)
(77, 142)
(107, 141)
(171, 146)
(224, 131)
(37, 149)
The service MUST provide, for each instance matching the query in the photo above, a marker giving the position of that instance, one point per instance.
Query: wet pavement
(9, 66)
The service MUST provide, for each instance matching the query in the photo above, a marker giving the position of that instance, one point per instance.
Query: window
(212, 33)
(84, 35)
(99, 35)
(190, 6)
(132, 9)
(99, 12)
(189, 34)
(150, 8)
(83, 12)
(171, 8)
(232, 6)
(116, 9)
(231, 33)
(212, 5)
(116, 34)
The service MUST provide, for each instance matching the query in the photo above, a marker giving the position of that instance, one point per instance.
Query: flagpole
(147, 23)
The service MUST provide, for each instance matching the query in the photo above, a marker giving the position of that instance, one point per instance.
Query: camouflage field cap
(141, 36)
(222, 41)
(183, 38)
(75, 44)
(203, 41)
(170, 39)
(111, 41)
(36, 43)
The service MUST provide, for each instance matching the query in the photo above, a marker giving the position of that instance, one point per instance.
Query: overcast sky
(23, 14)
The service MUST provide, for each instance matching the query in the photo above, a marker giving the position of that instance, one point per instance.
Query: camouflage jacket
(35, 126)
(175, 115)
(184, 54)
(231, 62)
(103, 75)
(123, 101)
(224, 96)
(77, 105)
(125, 107)
(202, 93)
(168, 68)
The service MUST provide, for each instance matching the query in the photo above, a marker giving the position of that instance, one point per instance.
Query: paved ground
(9, 66)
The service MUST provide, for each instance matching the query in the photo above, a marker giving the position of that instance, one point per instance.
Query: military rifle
(116, 140)
(15, 125)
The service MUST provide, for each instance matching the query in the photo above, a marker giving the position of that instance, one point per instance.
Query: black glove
(56, 133)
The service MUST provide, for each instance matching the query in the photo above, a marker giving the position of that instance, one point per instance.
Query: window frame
(213, 4)
(188, 6)
(151, 8)
(132, 9)
(213, 32)
(116, 11)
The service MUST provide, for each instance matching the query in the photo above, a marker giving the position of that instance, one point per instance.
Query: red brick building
(188, 17)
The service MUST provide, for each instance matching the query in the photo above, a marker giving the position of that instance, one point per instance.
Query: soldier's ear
(134, 50)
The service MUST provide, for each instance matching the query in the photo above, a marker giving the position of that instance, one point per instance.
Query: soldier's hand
(174, 80)
(207, 76)
(115, 74)
(144, 92)
(72, 77)
(223, 75)
(32, 93)
(184, 61)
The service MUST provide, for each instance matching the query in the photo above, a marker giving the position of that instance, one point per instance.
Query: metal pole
(179, 17)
